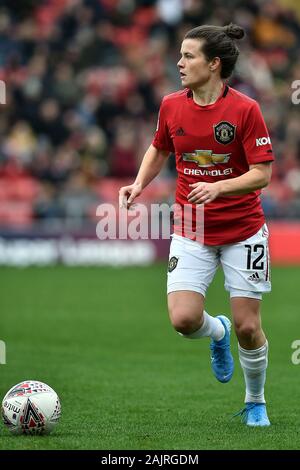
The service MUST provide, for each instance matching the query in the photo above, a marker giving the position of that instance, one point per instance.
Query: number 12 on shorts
(254, 255)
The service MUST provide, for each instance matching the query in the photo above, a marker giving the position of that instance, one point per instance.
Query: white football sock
(211, 326)
(254, 364)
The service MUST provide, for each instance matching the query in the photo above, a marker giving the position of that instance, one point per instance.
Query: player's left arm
(258, 177)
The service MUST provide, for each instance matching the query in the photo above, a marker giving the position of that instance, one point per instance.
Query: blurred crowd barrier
(84, 81)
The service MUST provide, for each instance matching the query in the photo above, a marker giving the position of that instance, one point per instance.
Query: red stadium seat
(15, 213)
(24, 189)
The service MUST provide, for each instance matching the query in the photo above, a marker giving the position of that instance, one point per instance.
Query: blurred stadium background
(84, 80)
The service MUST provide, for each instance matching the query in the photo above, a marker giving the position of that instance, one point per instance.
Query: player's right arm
(152, 163)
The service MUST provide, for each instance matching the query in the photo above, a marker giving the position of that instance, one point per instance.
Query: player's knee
(185, 322)
(247, 330)
(185, 326)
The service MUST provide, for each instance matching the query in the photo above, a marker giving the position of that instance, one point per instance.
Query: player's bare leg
(253, 354)
(186, 311)
(247, 322)
(187, 315)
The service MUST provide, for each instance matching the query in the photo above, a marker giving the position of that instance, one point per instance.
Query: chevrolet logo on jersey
(206, 157)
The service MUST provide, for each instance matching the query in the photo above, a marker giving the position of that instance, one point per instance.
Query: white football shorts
(246, 265)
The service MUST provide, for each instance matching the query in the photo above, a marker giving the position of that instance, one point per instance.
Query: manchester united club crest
(172, 263)
(224, 132)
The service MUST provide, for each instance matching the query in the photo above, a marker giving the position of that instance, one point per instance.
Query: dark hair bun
(234, 31)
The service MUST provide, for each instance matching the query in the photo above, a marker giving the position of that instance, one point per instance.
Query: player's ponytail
(219, 41)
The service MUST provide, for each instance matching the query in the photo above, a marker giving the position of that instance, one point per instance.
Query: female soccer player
(223, 159)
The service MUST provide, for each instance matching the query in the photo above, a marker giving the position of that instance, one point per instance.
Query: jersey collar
(223, 94)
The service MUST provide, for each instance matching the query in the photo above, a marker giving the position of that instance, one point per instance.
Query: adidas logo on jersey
(180, 132)
(254, 277)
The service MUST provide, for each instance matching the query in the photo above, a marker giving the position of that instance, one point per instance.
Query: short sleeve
(256, 140)
(162, 139)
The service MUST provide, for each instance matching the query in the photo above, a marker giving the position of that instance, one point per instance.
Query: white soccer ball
(31, 407)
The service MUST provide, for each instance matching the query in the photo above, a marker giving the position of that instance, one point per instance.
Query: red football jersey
(211, 143)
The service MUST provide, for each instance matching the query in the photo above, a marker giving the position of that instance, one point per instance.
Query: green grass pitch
(102, 339)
